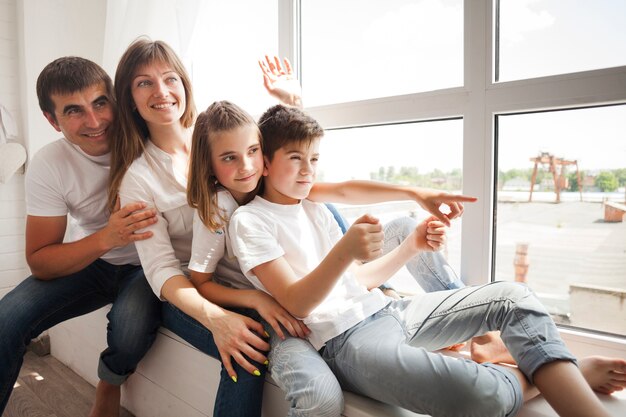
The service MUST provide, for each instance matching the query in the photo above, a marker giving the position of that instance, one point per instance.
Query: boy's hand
(432, 200)
(429, 235)
(365, 238)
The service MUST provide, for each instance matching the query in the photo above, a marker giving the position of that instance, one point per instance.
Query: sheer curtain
(172, 21)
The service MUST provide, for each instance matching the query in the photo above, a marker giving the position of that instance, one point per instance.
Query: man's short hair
(281, 125)
(67, 75)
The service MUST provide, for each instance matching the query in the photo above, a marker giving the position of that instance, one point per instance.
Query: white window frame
(477, 102)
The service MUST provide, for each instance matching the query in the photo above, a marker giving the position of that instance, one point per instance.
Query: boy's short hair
(67, 75)
(281, 125)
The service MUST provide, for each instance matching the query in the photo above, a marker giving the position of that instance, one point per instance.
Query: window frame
(478, 102)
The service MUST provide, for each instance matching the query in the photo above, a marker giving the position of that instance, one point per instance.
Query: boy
(292, 249)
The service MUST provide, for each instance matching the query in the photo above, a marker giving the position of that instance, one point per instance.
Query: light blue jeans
(389, 356)
(294, 360)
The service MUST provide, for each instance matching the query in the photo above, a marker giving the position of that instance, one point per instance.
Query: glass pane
(403, 154)
(224, 59)
(361, 49)
(547, 37)
(573, 252)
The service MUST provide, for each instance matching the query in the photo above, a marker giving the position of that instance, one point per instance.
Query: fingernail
(266, 333)
(234, 378)
(267, 362)
(256, 372)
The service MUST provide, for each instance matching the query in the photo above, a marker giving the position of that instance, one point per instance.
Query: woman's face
(237, 160)
(158, 93)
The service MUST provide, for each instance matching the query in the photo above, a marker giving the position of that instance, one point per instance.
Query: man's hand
(280, 82)
(125, 222)
(365, 238)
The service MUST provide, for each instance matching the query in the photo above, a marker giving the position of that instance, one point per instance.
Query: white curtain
(172, 21)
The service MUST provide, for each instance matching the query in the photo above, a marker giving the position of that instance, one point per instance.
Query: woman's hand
(235, 336)
(280, 82)
(429, 235)
(275, 315)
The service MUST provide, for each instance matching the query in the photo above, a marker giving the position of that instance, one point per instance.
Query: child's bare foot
(490, 348)
(604, 375)
(107, 402)
(456, 348)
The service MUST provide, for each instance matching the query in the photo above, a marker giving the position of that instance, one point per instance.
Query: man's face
(291, 173)
(84, 117)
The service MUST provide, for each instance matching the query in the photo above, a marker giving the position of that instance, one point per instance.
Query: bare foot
(490, 348)
(107, 402)
(604, 375)
(456, 348)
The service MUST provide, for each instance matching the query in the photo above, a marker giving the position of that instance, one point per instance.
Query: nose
(306, 168)
(246, 164)
(160, 89)
(91, 119)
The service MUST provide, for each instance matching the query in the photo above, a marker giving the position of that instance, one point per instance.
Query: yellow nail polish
(256, 372)
(266, 334)
(266, 362)
(234, 378)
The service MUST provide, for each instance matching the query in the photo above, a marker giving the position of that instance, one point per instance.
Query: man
(99, 265)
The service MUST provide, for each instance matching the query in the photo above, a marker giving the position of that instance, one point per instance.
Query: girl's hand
(275, 315)
(429, 235)
(280, 82)
(431, 200)
(235, 336)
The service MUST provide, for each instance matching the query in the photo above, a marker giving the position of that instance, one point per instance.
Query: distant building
(518, 184)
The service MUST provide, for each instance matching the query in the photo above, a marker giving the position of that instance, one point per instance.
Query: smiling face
(84, 118)
(237, 160)
(291, 173)
(159, 94)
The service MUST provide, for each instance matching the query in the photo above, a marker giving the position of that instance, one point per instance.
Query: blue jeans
(35, 305)
(310, 387)
(234, 399)
(389, 355)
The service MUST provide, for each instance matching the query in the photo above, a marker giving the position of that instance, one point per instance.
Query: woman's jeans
(36, 305)
(234, 399)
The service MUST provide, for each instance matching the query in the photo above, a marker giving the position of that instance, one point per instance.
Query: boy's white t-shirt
(212, 252)
(62, 179)
(303, 234)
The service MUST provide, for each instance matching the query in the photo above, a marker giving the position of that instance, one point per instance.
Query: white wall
(12, 264)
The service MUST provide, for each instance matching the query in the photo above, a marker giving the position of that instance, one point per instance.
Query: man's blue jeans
(234, 399)
(35, 305)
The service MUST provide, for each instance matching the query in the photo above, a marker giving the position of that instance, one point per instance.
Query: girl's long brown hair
(130, 131)
(202, 185)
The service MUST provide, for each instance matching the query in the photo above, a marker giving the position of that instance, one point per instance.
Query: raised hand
(280, 82)
(365, 238)
(124, 222)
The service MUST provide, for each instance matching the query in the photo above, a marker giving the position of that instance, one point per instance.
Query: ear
(266, 163)
(52, 120)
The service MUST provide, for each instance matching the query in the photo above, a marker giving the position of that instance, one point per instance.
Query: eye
(295, 157)
(228, 158)
(100, 104)
(254, 150)
(172, 79)
(315, 159)
(144, 83)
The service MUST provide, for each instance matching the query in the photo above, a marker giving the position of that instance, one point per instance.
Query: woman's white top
(151, 178)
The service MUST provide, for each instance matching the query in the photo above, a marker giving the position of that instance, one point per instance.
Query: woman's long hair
(130, 131)
(202, 185)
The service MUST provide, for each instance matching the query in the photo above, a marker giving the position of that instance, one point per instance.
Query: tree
(606, 181)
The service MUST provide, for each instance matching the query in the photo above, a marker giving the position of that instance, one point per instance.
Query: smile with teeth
(162, 105)
(95, 134)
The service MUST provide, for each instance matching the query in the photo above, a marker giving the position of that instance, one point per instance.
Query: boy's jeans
(36, 305)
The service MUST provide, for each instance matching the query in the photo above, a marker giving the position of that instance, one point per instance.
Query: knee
(512, 291)
(322, 397)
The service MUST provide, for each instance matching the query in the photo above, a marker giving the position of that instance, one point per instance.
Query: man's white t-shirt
(211, 251)
(303, 234)
(62, 179)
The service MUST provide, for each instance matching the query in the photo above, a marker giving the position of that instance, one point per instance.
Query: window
(556, 172)
(361, 49)
(410, 157)
(541, 37)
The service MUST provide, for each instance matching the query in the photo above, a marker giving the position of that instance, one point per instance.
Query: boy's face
(84, 118)
(237, 160)
(291, 174)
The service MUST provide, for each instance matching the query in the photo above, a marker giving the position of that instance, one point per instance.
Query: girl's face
(237, 160)
(158, 93)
